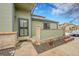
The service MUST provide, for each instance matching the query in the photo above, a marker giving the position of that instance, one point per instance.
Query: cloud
(61, 8)
(66, 9)
(36, 8)
(57, 11)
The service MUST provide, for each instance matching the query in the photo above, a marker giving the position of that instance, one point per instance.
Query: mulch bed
(51, 44)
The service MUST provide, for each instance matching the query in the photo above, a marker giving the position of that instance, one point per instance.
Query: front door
(23, 27)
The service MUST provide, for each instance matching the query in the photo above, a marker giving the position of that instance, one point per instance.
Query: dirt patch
(49, 45)
(19, 43)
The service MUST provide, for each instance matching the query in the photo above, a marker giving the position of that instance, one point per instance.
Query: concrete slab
(69, 49)
(26, 49)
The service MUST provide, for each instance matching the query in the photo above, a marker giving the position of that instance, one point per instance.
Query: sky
(57, 12)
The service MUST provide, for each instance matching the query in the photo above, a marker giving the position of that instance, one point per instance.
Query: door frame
(22, 28)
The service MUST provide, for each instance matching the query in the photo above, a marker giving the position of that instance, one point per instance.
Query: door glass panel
(25, 30)
(25, 23)
(21, 23)
(21, 32)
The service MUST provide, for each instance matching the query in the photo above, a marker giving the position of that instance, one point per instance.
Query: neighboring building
(77, 27)
(48, 28)
(17, 18)
(68, 27)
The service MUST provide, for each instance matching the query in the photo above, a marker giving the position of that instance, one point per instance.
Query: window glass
(21, 32)
(23, 23)
(46, 25)
(25, 30)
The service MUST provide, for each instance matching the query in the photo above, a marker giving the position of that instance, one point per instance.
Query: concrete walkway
(26, 49)
(68, 49)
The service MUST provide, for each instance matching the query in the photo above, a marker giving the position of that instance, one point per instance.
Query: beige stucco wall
(67, 29)
(7, 40)
(6, 17)
(77, 27)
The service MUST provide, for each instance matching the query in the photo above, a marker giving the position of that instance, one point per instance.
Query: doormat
(48, 45)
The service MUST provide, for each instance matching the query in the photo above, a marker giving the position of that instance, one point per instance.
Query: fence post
(38, 35)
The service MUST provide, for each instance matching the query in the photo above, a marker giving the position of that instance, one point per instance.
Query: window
(46, 25)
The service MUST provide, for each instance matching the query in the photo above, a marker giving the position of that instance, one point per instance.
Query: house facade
(9, 23)
(18, 18)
